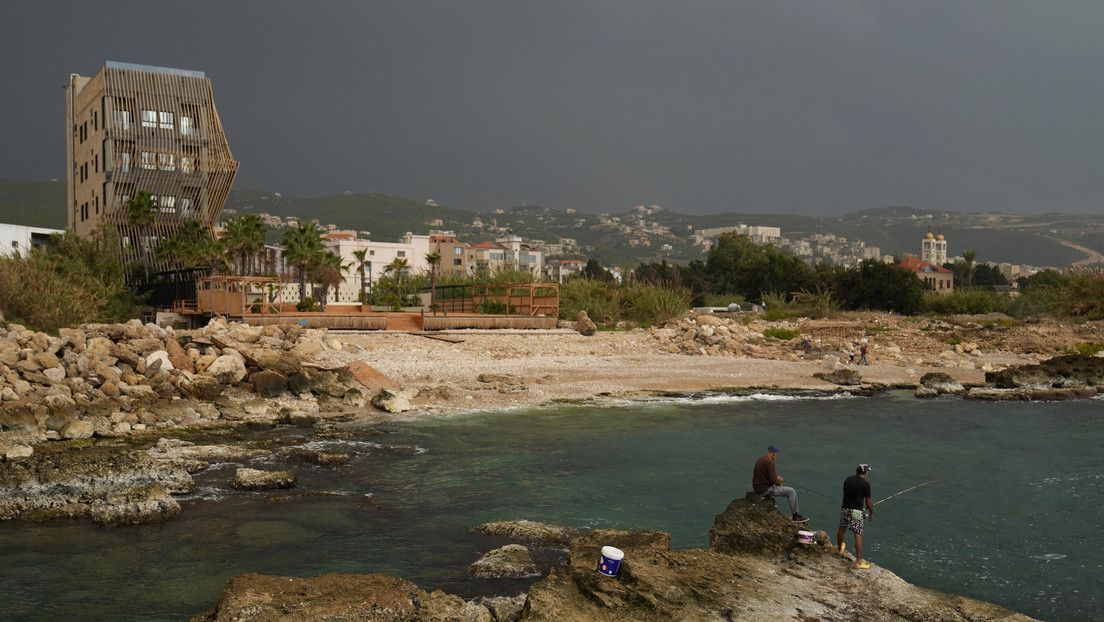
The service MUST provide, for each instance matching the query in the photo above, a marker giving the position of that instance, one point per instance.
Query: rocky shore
(109, 422)
(754, 570)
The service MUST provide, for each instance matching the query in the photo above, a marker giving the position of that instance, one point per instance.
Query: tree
(398, 268)
(596, 272)
(434, 260)
(876, 285)
(737, 265)
(141, 212)
(361, 257)
(302, 247)
(245, 235)
(327, 269)
(968, 258)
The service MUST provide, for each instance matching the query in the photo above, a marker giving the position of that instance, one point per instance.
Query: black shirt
(855, 490)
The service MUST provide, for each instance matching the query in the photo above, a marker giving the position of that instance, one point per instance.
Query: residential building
(451, 250)
(377, 256)
(19, 239)
(133, 128)
(560, 269)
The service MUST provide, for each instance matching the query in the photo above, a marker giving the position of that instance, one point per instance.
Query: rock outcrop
(755, 570)
(1067, 377)
(106, 380)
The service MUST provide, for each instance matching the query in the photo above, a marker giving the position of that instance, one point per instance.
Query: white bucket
(805, 537)
(611, 560)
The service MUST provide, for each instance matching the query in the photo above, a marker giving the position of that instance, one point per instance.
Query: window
(166, 120)
(149, 118)
(187, 165)
(187, 207)
(457, 262)
(459, 250)
(166, 162)
(122, 120)
(401, 254)
(166, 204)
(188, 126)
(123, 151)
(149, 161)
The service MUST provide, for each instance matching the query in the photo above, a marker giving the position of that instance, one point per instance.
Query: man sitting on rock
(766, 482)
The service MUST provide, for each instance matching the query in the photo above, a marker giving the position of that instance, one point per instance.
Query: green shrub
(76, 280)
(780, 333)
(648, 304)
(975, 301)
(601, 300)
(1090, 348)
(306, 304)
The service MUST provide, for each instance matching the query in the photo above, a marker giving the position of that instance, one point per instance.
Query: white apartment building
(20, 239)
(412, 248)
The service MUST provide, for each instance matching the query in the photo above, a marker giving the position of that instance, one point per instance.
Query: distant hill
(33, 203)
(638, 234)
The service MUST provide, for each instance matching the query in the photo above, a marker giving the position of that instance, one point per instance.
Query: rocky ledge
(754, 570)
(110, 380)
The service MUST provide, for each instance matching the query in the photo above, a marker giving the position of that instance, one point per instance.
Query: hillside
(639, 234)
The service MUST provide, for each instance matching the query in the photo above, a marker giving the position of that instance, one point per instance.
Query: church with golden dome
(929, 266)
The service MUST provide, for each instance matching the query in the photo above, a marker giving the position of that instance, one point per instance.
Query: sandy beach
(489, 370)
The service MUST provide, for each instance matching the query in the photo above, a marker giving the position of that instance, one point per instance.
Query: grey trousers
(784, 491)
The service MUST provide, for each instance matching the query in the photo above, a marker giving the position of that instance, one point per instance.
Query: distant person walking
(856, 492)
(862, 356)
(765, 481)
(851, 355)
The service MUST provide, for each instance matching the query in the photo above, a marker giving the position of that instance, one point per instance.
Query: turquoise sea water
(1013, 519)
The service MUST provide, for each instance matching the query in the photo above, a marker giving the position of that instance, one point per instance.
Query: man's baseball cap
(864, 467)
(773, 449)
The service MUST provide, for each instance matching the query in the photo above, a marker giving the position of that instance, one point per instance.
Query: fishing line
(808, 490)
(897, 494)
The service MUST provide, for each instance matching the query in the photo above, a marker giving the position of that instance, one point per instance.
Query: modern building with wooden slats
(138, 128)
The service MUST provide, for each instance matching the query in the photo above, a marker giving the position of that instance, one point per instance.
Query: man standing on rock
(856, 491)
(764, 481)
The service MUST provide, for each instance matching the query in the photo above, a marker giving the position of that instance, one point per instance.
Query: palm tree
(302, 247)
(141, 212)
(245, 235)
(398, 267)
(968, 258)
(361, 260)
(434, 260)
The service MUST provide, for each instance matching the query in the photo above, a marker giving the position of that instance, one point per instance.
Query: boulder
(286, 363)
(254, 479)
(393, 401)
(201, 388)
(227, 369)
(513, 561)
(531, 532)
(941, 383)
(584, 324)
(143, 504)
(842, 377)
(338, 597)
(269, 383)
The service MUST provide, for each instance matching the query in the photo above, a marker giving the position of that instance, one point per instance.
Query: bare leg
(839, 540)
(858, 549)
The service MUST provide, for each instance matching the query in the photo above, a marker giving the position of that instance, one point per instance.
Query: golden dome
(928, 236)
(938, 237)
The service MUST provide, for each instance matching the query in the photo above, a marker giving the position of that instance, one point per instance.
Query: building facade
(19, 240)
(133, 128)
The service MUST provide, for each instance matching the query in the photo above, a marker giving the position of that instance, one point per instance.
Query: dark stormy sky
(817, 107)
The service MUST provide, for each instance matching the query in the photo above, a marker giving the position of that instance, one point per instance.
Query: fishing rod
(897, 494)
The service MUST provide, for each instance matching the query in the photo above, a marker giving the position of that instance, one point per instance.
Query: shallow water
(1013, 518)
